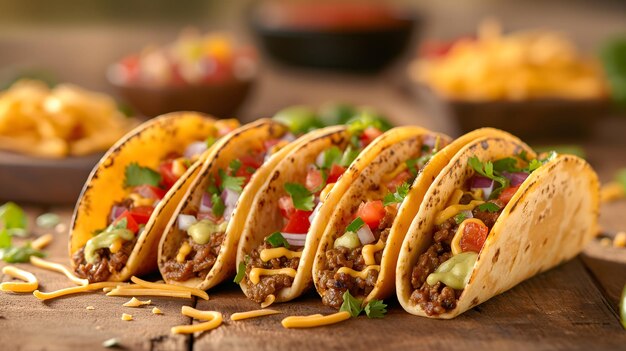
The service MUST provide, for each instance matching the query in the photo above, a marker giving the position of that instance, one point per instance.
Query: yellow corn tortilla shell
(148, 145)
(549, 220)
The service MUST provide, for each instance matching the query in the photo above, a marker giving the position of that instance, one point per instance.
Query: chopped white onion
(195, 148)
(365, 235)
(185, 221)
(288, 137)
(319, 160)
(205, 205)
(230, 198)
(487, 191)
(295, 239)
(316, 210)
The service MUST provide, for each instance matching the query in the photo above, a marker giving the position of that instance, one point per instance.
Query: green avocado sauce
(105, 239)
(455, 272)
(200, 232)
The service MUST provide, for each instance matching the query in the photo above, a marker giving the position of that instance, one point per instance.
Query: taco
(132, 192)
(292, 207)
(198, 245)
(496, 215)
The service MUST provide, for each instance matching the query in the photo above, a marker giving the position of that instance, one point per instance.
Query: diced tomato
(254, 161)
(369, 134)
(474, 236)
(286, 206)
(131, 224)
(371, 212)
(507, 194)
(335, 172)
(314, 180)
(245, 172)
(398, 180)
(298, 223)
(168, 178)
(150, 192)
(141, 214)
(130, 65)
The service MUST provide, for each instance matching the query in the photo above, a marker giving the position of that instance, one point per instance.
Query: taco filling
(272, 265)
(353, 263)
(107, 252)
(206, 224)
(461, 229)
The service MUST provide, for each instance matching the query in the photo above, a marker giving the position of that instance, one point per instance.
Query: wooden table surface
(574, 306)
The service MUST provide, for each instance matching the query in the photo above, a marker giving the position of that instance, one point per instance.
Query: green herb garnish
(13, 219)
(460, 217)
(276, 239)
(620, 177)
(241, 272)
(398, 196)
(349, 155)
(355, 225)
(352, 305)
(234, 166)
(508, 164)
(375, 309)
(486, 170)
(331, 155)
(218, 205)
(229, 182)
(210, 141)
(488, 207)
(14, 254)
(136, 175)
(302, 198)
(48, 220)
(413, 166)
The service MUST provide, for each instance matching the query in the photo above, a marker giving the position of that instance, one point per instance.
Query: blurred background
(550, 71)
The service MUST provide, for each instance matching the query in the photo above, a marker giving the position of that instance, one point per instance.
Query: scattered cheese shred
(195, 292)
(41, 242)
(73, 290)
(150, 292)
(134, 302)
(315, 320)
(269, 300)
(91, 308)
(156, 310)
(452, 210)
(214, 320)
(30, 283)
(57, 267)
(252, 314)
(127, 317)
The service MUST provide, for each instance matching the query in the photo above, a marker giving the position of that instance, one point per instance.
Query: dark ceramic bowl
(364, 49)
(219, 99)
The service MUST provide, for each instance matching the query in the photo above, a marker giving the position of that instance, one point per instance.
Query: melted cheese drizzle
(369, 250)
(150, 292)
(252, 314)
(355, 274)
(315, 320)
(30, 283)
(256, 273)
(456, 240)
(184, 250)
(453, 210)
(269, 300)
(150, 285)
(268, 254)
(74, 290)
(214, 320)
(57, 267)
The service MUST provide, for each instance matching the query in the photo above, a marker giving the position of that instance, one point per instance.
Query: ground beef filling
(333, 284)
(269, 284)
(439, 298)
(106, 263)
(199, 261)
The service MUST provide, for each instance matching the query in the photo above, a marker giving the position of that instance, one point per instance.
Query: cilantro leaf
(331, 155)
(210, 141)
(523, 155)
(212, 188)
(351, 304)
(302, 198)
(375, 309)
(218, 205)
(19, 254)
(349, 155)
(276, 239)
(460, 217)
(13, 219)
(229, 182)
(533, 165)
(508, 164)
(234, 166)
(486, 170)
(489, 207)
(355, 225)
(397, 197)
(136, 175)
(241, 272)
(413, 166)
(5, 239)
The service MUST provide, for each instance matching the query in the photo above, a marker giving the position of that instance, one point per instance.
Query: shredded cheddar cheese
(150, 292)
(73, 290)
(356, 274)
(456, 240)
(134, 302)
(127, 317)
(315, 320)
(90, 308)
(369, 250)
(268, 254)
(252, 314)
(455, 197)
(452, 210)
(256, 273)
(57, 267)
(390, 176)
(214, 320)
(156, 310)
(41, 242)
(184, 250)
(194, 291)
(269, 300)
(29, 283)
